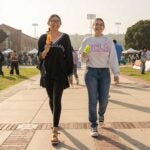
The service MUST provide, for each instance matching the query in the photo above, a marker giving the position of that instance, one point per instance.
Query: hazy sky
(21, 14)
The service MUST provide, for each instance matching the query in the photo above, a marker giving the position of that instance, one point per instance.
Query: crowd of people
(23, 59)
(12, 60)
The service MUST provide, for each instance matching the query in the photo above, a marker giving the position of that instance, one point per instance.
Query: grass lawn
(129, 71)
(7, 80)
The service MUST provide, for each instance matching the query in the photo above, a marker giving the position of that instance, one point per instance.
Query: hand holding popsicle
(47, 45)
(86, 51)
(48, 39)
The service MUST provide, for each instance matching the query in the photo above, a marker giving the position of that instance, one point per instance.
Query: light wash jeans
(98, 83)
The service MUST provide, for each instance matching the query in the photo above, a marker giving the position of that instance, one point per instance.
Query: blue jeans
(98, 83)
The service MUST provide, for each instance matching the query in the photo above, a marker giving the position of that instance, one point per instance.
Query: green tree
(138, 35)
(3, 35)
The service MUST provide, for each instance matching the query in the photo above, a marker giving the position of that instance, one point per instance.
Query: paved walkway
(25, 118)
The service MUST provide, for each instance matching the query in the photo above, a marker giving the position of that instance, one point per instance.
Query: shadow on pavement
(136, 107)
(132, 141)
(134, 86)
(74, 140)
(120, 92)
(114, 143)
(9, 77)
(64, 146)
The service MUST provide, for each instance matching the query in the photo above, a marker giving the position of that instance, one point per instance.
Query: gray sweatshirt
(102, 53)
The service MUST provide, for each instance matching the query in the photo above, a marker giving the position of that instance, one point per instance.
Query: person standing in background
(75, 63)
(1, 63)
(14, 63)
(99, 53)
(118, 50)
(143, 60)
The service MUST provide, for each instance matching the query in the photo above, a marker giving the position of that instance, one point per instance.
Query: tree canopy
(138, 35)
(3, 35)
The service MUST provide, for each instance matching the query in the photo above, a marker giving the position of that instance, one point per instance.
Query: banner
(147, 65)
(137, 65)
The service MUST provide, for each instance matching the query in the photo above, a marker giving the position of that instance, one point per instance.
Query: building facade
(17, 40)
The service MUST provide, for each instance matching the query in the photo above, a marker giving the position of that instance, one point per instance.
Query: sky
(21, 14)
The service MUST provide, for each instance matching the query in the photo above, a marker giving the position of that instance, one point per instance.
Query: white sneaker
(94, 132)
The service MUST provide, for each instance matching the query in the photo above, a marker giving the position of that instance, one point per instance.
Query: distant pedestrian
(1, 63)
(99, 52)
(119, 50)
(14, 63)
(9, 60)
(143, 60)
(75, 63)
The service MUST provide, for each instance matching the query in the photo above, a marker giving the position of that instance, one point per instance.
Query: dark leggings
(54, 90)
(14, 65)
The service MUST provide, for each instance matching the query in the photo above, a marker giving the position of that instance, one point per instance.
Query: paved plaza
(26, 120)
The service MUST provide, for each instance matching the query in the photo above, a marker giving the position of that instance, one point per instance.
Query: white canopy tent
(130, 51)
(7, 51)
(33, 51)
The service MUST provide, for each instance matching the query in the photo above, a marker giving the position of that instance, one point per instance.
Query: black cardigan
(59, 61)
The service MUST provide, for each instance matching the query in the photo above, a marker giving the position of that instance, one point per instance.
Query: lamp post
(118, 24)
(34, 26)
(91, 17)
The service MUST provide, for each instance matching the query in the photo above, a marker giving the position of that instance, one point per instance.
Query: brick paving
(23, 133)
(47, 126)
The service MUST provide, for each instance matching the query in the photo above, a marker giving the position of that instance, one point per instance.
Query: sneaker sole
(54, 143)
(94, 135)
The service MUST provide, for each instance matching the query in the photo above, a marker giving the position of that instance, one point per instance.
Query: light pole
(34, 26)
(118, 24)
(91, 17)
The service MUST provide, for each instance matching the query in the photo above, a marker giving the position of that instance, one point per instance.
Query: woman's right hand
(46, 50)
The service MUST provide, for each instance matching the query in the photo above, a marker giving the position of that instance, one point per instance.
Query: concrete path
(25, 118)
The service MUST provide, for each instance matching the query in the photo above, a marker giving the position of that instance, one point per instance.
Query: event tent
(33, 51)
(130, 51)
(7, 51)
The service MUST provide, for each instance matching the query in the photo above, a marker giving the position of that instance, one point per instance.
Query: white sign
(137, 65)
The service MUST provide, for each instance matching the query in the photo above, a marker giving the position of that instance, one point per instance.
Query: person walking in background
(99, 52)
(9, 59)
(143, 60)
(1, 63)
(75, 62)
(14, 63)
(55, 53)
(118, 50)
